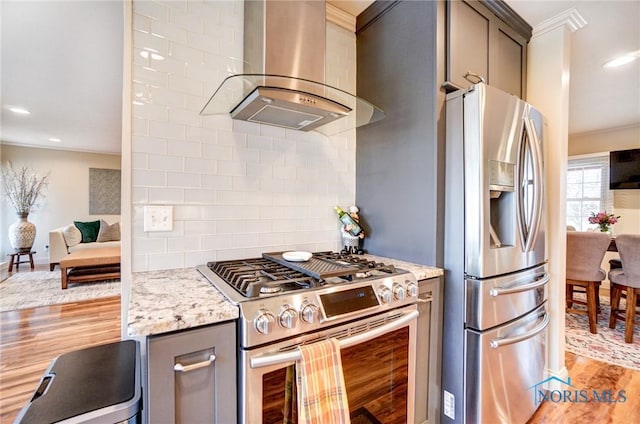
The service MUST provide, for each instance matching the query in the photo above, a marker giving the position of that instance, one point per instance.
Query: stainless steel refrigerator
(495, 319)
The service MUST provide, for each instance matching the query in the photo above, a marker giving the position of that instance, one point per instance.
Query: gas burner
(273, 275)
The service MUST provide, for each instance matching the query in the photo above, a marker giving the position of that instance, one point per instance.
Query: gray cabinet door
(508, 61)
(481, 43)
(192, 376)
(468, 43)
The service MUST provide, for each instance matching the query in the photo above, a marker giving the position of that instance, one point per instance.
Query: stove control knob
(309, 313)
(412, 289)
(399, 292)
(385, 294)
(264, 321)
(288, 317)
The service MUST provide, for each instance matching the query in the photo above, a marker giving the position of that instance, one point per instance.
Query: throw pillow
(72, 236)
(108, 232)
(89, 230)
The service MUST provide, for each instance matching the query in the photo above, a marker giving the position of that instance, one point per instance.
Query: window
(587, 189)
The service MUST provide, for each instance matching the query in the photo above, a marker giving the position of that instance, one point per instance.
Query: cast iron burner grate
(255, 277)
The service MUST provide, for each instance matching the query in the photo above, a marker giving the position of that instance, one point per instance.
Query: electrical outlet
(449, 405)
(158, 218)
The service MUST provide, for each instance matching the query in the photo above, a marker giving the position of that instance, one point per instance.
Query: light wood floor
(31, 338)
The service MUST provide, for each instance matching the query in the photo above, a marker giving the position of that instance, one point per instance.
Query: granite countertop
(177, 299)
(169, 300)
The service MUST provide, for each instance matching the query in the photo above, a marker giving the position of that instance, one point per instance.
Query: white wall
(237, 189)
(65, 199)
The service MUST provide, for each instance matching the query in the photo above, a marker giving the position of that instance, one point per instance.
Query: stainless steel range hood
(284, 53)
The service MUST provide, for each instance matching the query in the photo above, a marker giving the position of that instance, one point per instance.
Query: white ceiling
(62, 60)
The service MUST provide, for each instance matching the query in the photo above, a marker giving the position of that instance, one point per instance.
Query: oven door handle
(294, 355)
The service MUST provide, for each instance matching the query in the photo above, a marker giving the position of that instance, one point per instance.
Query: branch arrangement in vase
(23, 187)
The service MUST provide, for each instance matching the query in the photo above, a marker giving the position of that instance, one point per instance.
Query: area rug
(42, 288)
(606, 346)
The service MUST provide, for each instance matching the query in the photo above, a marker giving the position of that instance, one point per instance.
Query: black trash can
(100, 385)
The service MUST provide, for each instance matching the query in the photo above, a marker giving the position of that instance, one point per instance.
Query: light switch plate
(158, 218)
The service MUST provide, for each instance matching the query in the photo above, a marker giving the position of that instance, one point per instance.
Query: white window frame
(605, 200)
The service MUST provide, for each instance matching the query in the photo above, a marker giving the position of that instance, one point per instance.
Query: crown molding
(570, 19)
(341, 18)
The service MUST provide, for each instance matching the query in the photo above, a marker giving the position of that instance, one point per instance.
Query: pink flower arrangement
(603, 219)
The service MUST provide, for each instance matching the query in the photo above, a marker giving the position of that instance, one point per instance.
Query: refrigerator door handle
(499, 291)
(500, 341)
(528, 229)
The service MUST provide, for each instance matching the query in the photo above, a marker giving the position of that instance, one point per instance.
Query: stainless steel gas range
(370, 307)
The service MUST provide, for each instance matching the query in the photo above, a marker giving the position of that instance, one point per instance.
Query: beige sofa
(61, 243)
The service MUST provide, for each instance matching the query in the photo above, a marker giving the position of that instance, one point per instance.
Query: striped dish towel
(322, 395)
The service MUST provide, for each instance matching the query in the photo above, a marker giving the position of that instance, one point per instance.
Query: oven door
(378, 358)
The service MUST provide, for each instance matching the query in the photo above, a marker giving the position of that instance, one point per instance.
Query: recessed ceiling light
(621, 60)
(19, 110)
(55, 140)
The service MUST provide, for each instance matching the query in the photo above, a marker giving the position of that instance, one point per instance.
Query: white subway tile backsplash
(185, 85)
(232, 168)
(245, 183)
(200, 228)
(232, 226)
(151, 42)
(144, 178)
(259, 226)
(203, 42)
(244, 240)
(166, 195)
(184, 148)
(229, 138)
(183, 244)
(232, 197)
(151, 9)
(201, 166)
(169, 65)
(173, 260)
(217, 182)
(165, 163)
(183, 179)
(169, 32)
(169, 130)
(139, 126)
(146, 75)
(220, 153)
(199, 195)
(248, 156)
(187, 213)
(184, 19)
(141, 23)
(183, 52)
(237, 188)
(217, 242)
(157, 112)
(183, 116)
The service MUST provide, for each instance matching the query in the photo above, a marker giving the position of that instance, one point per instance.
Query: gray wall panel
(396, 158)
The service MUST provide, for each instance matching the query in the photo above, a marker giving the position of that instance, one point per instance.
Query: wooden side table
(15, 260)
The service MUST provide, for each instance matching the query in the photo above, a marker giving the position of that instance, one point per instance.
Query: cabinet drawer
(192, 376)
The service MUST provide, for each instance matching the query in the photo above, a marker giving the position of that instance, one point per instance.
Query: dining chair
(626, 279)
(585, 251)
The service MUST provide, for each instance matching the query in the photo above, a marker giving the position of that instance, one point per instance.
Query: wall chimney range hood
(284, 42)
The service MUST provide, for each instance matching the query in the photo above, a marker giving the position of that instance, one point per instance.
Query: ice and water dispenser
(502, 204)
